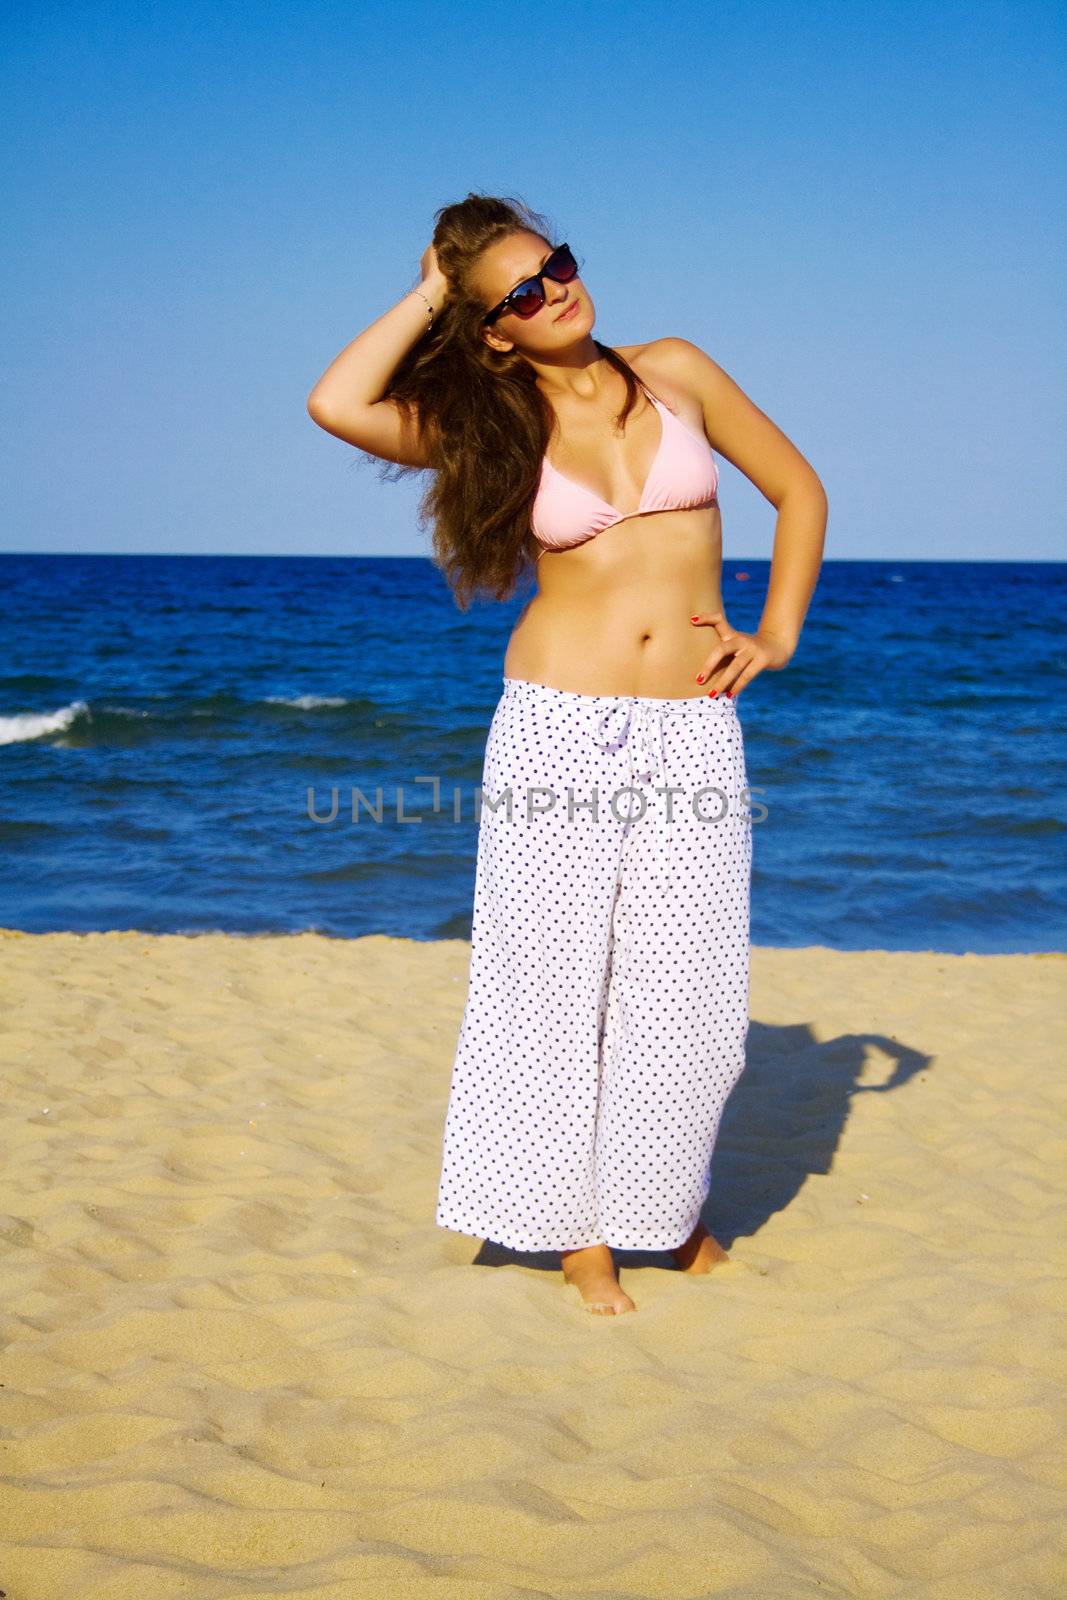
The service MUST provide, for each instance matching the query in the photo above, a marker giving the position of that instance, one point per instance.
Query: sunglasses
(527, 297)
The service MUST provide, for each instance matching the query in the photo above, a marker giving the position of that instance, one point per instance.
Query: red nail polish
(700, 677)
(729, 694)
(692, 619)
(712, 693)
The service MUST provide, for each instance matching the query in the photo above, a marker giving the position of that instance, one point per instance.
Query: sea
(175, 731)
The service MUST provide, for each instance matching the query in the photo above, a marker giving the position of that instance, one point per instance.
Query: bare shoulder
(678, 363)
(676, 370)
(703, 393)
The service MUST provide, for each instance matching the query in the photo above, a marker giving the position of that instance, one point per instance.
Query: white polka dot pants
(607, 1008)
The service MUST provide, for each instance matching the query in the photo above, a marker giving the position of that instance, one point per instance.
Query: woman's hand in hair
(432, 276)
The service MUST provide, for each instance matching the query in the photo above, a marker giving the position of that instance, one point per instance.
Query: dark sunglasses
(527, 297)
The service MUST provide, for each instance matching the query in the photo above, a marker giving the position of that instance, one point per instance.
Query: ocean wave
(39, 724)
(306, 702)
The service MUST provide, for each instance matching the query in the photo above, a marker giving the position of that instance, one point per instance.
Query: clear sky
(856, 209)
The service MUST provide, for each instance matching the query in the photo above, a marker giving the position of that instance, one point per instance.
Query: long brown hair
(486, 422)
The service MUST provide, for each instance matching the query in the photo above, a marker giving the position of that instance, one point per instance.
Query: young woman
(607, 1006)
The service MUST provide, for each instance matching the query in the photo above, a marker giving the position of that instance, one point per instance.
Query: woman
(607, 1007)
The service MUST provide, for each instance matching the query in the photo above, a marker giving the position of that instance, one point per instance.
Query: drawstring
(647, 758)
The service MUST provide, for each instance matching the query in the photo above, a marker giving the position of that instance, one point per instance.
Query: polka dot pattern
(607, 1007)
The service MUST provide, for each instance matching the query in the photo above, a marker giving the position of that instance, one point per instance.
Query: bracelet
(429, 306)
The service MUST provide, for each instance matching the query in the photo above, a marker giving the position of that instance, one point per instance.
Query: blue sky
(857, 210)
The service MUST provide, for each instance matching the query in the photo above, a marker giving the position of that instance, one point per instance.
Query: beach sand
(240, 1358)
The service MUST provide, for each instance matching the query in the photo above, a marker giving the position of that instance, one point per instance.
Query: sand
(240, 1358)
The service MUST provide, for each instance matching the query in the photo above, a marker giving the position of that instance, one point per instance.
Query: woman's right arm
(347, 400)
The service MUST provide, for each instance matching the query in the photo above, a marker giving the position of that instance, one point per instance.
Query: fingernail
(729, 694)
(700, 677)
(692, 619)
(712, 693)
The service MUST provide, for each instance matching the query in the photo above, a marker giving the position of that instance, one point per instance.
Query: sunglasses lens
(527, 299)
(561, 266)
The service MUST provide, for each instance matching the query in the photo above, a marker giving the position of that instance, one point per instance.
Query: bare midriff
(611, 615)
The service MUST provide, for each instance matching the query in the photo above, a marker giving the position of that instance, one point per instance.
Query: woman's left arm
(737, 429)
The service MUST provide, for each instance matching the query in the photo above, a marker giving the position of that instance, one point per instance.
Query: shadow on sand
(782, 1123)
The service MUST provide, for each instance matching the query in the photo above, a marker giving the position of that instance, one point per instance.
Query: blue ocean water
(166, 719)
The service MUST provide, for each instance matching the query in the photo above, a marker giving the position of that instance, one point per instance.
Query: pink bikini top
(682, 477)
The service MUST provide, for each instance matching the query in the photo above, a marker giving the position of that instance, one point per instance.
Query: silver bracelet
(429, 306)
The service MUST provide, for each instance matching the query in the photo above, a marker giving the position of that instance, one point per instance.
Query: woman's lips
(571, 309)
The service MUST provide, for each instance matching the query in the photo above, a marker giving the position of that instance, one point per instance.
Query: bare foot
(700, 1252)
(592, 1271)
